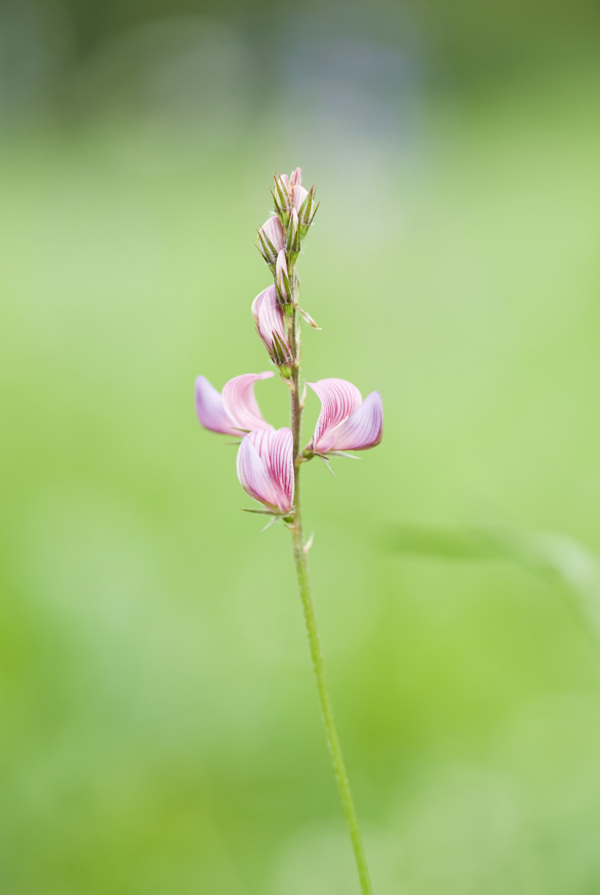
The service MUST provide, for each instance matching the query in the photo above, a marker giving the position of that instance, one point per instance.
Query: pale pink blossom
(265, 468)
(346, 422)
(271, 239)
(236, 410)
(270, 325)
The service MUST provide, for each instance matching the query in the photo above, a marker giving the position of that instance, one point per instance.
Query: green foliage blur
(160, 729)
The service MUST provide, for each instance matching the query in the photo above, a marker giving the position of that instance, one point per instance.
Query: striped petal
(339, 399)
(270, 325)
(210, 409)
(265, 467)
(240, 403)
(363, 429)
(300, 195)
(271, 239)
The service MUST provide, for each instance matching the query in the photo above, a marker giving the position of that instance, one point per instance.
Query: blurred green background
(159, 724)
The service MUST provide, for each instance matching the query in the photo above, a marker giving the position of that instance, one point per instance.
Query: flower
(235, 411)
(271, 239)
(265, 468)
(346, 422)
(269, 320)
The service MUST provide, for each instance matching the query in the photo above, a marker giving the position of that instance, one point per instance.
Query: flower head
(346, 422)
(233, 412)
(270, 325)
(265, 468)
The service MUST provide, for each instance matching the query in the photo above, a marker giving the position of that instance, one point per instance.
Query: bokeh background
(159, 725)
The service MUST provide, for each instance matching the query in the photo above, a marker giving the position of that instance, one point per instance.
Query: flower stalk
(301, 561)
(269, 461)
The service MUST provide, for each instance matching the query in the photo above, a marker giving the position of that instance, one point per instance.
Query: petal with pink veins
(265, 468)
(272, 233)
(339, 399)
(240, 403)
(270, 325)
(363, 429)
(300, 195)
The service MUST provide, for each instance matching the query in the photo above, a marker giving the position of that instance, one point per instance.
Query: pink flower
(269, 320)
(235, 411)
(265, 468)
(271, 239)
(346, 422)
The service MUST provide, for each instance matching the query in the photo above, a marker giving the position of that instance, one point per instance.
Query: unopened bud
(282, 196)
(269, 320)
(282, 280)
(292, 237)
(306, 212)
(270, 239)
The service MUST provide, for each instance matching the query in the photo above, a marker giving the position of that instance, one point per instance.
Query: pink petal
(253, 474)
(280, 462)
(274, 231)
(363, 429)
(240, 403)
(210, 408)
(265, 468)
(296, 178)
(339, 399)
(300, 195)
(268, 318)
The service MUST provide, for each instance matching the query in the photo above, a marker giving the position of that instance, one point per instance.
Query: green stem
(301, 560)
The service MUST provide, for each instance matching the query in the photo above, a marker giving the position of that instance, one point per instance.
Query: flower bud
(271, 239)
(292, 236)
(306, 212)
(282, 196)
(270, 325)
(282, 280)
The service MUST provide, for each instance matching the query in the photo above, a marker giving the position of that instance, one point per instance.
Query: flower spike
(265, 468)
(233, 412)
(346, 422)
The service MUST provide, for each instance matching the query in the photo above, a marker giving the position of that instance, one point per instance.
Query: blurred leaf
(553, 555)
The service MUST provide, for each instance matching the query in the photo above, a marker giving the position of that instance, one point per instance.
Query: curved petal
(363, 429)
(240, 403)
(300, 195)
(253, 474)
(265, 468)
(280, 463)
(273, 230)
(339, 399)
(268, 318)
(210, 408)
(296, 178)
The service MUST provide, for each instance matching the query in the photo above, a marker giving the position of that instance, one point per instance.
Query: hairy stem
(301, 560)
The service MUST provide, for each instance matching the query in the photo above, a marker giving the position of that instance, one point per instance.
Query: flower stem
(301, 560)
